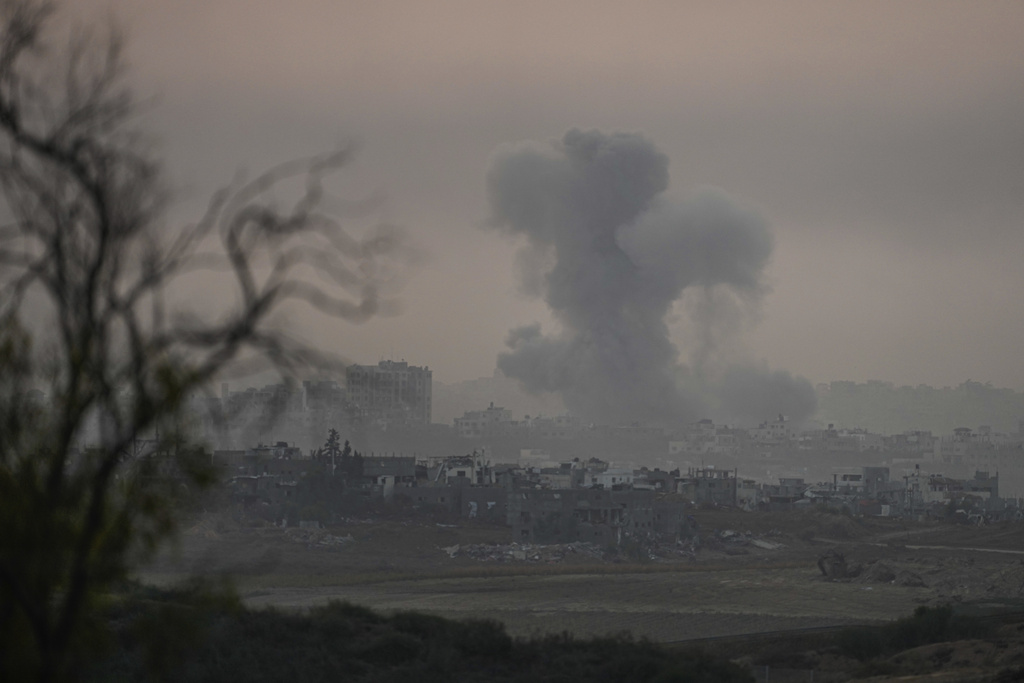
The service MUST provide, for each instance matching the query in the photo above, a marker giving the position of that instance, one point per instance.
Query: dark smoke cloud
(747, 391)
(610, 258)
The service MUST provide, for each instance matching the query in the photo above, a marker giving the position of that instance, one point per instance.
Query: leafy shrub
(927, 625)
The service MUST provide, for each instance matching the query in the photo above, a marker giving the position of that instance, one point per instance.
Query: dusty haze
(881, 144)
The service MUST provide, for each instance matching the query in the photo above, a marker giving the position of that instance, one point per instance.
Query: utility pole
(735, 487)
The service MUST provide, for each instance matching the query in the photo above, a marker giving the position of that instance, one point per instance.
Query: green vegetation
(204, 638)
(926, 626)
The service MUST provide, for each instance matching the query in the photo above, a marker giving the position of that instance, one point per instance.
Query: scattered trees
(92, 336)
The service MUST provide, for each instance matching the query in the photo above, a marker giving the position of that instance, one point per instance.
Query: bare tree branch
(82, 197)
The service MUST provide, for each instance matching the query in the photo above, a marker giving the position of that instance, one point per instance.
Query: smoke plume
(610, 257)
(747, 392)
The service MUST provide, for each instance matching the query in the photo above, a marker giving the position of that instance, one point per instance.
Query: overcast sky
(882, 142)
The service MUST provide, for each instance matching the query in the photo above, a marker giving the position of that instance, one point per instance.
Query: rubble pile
(909, 579)
(212, 526)
(960, 578)
(316, 537)
(523, 552)
(683, 549)
(833, 566)
(882, 572)
(204, 529)
(729, 540)
(878, 572)
(1007, 580)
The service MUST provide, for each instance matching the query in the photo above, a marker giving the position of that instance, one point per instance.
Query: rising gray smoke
(747, 392)
(610, 258)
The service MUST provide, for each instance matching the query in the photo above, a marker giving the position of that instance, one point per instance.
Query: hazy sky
(883, 143)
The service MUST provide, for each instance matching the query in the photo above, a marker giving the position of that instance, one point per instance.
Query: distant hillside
(452, 400)
(886, 408)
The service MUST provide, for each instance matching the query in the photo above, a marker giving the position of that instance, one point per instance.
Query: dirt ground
(749, 572)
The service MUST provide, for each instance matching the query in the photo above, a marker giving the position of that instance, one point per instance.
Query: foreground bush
(196, 636)
(927, 625)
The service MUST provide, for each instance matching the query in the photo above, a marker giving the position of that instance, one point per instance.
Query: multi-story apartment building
(493, 421)
(773, 433)
(391, 392)
(705, 437)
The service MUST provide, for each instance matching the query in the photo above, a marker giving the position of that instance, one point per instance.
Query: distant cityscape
(279, 449)
(561, 477)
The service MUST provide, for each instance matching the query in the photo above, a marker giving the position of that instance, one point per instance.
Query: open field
(659, 606)
(728, 587)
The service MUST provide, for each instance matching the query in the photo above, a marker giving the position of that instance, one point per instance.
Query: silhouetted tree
(333, 445)
(330, 452)
(91, 334)
(351, 461)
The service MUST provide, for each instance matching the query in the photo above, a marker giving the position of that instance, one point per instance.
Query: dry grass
(498, 571)
(394, 565)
